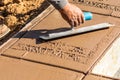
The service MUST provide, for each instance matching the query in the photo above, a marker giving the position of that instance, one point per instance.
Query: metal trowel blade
(76, 31)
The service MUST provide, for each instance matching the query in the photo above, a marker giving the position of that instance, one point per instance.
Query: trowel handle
(88, 15)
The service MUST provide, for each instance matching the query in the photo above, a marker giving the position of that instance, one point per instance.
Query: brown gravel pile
(15, 13)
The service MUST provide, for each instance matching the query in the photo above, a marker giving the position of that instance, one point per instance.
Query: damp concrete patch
(109, 65)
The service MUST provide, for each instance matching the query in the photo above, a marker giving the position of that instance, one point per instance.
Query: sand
(15, 13)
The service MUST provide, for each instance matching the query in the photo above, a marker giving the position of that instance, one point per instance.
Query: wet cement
(15, 14)
(94, 77)
(111, 68)
(106, 7)
(15, 69)
(76, 53)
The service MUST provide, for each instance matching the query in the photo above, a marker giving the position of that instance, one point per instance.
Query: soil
(17, 13)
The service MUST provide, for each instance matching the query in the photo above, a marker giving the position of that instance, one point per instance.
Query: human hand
(72, 14)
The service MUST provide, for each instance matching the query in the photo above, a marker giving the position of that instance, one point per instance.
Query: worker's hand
(72, 14)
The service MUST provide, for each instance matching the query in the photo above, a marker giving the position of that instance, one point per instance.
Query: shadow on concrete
(34, 34)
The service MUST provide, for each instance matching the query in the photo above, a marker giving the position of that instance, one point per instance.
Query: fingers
(77, 20)
(73, 15)
(82, 18)
(72, 23)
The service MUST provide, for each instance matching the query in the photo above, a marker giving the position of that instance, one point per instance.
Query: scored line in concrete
(109, 65)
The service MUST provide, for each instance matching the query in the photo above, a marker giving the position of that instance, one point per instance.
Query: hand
(72, 14)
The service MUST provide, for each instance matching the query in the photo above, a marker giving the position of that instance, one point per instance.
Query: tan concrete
(13, 69)
(93, 77)
(28, 26)
(109, 65)
(106, 7)
(78, 53)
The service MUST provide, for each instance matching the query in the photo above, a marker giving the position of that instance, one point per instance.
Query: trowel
(72, 31)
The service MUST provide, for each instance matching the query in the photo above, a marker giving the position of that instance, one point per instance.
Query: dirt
(15, 13)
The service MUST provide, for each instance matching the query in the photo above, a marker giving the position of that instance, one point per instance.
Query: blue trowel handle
(88, 16)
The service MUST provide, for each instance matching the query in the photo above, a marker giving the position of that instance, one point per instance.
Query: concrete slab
(93, 77)
(15, 69)
(24, 30)
(106, 7)
(77, 52)
(109, 65)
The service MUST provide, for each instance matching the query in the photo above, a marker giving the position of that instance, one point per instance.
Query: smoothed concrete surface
(72, 55)
(16, 69)
(109, 65)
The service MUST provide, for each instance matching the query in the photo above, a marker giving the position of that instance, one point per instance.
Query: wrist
(58, 4)
(65, 8)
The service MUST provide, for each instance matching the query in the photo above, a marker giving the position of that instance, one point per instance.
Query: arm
(71, 13)
(58, 4)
